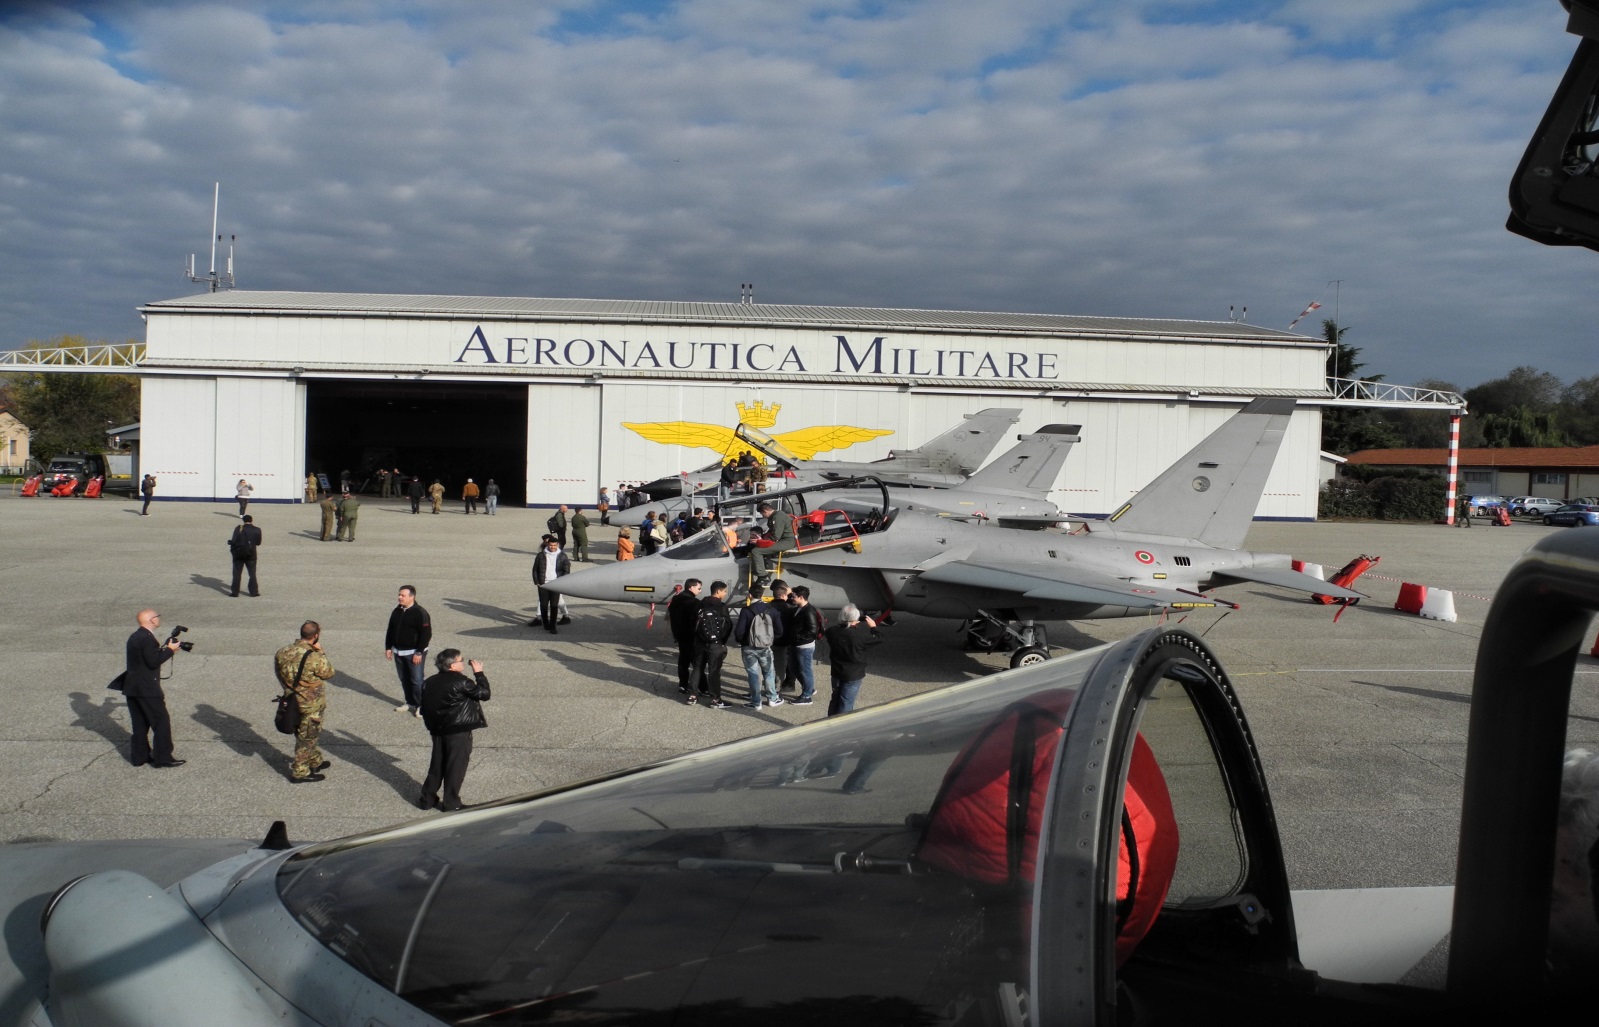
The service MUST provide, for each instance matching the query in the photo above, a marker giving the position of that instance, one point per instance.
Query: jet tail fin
(963, 448)
(1211, 493)
(1030, 469)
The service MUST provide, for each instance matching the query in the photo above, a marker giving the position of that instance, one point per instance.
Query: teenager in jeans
(807, 628)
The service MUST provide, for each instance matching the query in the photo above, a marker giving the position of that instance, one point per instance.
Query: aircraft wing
(1286, 578)
(1071, 586)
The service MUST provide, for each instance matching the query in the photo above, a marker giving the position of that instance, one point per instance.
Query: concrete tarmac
(1361, 723)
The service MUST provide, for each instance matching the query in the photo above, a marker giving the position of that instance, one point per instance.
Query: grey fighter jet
(946, 460)
(1162, 550)
(1013, 490)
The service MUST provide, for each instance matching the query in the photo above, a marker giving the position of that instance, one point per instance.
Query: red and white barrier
(1411, 597)
(1439, 605)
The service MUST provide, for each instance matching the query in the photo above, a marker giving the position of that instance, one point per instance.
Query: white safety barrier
(1439, 605)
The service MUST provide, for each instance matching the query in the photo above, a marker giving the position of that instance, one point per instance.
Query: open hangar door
(445, 430)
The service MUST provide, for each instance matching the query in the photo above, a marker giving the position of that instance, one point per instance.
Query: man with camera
(452, 708)
(141, 686)
(303, 668)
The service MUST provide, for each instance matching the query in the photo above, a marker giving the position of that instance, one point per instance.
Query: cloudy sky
(1108, 157)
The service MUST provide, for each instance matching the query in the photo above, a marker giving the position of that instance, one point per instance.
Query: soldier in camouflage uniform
(309, 690)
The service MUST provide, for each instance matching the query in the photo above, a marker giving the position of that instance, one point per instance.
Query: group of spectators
(449, 703)
(777, 639)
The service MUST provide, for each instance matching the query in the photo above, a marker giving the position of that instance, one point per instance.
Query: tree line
(69, 413)
(1527, 407)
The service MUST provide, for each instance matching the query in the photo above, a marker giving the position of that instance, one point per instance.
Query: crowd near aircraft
(947, 460)
(1164, 549)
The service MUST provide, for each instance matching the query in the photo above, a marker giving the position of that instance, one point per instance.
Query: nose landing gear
(1004, 631)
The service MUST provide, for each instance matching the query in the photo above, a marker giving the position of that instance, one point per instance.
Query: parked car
(1482, 506)
(1534, 505)
(1574, 515)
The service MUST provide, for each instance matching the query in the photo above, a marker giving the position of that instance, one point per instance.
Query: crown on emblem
(758, 414)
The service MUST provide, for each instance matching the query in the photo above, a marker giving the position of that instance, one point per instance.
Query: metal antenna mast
(215, 281)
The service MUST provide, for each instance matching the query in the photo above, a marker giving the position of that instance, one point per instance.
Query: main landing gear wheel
(1029, 656)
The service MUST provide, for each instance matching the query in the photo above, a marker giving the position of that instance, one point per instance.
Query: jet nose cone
(623, 582)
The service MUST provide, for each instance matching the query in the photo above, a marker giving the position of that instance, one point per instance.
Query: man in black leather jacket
(451, 711)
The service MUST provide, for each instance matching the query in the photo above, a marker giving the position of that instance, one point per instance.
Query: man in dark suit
(141, 684)
(245, 541)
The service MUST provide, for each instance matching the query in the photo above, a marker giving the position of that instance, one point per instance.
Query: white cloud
(1023, 156)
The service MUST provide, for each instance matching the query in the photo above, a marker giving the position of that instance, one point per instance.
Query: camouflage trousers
(307, 757)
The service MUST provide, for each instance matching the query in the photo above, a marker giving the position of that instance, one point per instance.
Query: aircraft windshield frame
(708, 544)
(766, 444)
(679, 885)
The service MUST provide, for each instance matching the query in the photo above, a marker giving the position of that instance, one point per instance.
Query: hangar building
(555, 397)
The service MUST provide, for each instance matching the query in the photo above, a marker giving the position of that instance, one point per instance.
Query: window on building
(1548, 478)
(1479, 477)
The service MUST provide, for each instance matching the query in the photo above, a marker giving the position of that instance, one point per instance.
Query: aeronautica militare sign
(835, 354)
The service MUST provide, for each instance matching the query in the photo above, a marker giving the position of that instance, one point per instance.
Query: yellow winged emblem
(804, 443)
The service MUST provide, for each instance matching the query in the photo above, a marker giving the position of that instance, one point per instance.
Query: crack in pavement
(22, 805)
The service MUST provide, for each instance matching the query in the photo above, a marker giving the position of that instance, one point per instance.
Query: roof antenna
(1236, 315)
(216, 281)
(746, 292)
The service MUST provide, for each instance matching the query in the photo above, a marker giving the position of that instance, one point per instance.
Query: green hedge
(1402, 496)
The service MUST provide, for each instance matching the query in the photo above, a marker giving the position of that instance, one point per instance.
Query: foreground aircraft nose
(650, 579)
(627, 581)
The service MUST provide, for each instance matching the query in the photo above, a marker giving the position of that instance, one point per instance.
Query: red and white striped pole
(1454, 468)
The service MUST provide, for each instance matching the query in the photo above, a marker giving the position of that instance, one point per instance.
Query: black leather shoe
(325, 764)
(425, 802)
(168, 763)
(308, 777)
(564, 620)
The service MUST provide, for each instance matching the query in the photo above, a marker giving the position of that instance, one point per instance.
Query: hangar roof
(336, 304)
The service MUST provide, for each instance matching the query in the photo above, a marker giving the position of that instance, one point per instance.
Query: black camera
(187, 647)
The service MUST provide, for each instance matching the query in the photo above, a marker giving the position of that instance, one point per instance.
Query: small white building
(555, 397)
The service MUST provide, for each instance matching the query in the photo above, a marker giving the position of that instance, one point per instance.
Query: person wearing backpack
(243, 543)
(758, 627)
(712, 627)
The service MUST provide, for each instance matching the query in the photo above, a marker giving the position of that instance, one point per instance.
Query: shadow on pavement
(645, 673)
(483, 611)
(355, 684)
(98, 717)
(214, 584)
(238, 734)
(358, 752)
